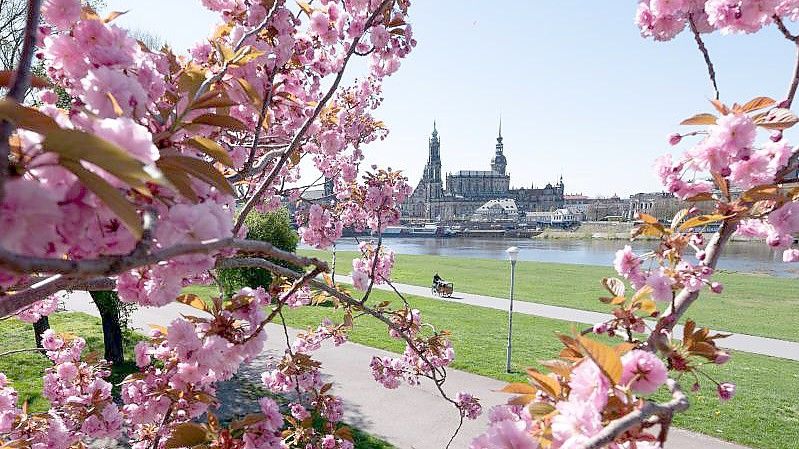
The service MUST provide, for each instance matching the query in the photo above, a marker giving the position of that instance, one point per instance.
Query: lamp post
(513, 255)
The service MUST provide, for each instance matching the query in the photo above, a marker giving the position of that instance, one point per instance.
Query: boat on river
(422, 231)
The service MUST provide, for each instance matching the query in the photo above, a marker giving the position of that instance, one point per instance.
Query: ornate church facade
(466, 190)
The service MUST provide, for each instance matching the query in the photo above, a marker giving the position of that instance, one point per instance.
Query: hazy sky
(580, 92)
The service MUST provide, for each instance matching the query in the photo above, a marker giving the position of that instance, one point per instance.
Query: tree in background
(272, 227)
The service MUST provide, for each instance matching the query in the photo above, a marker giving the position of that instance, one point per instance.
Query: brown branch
(19, 85)
(18, 351)
(301, 133)
(783, 29)
(658, 339)
(111, 265)
(93, 273)
(664, 411)
(705, 54)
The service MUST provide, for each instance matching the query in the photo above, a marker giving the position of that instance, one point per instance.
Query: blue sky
(580, 92)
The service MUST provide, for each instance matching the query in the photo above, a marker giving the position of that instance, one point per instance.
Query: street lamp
(513, 255)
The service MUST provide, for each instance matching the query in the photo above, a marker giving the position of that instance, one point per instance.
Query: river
(748, 257)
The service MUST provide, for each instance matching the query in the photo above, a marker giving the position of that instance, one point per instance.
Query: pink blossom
(661, 285)
(131, 136)
(589, 384)
(790, 255)
(628, 265)
(575, 422)
(61, 13)
(468, 405)
(506, 434)
(102, 81)
(643, 371)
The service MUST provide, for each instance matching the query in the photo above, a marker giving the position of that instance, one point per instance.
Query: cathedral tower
(498, 162)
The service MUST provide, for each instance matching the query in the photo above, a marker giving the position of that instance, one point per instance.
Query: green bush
(275, 228)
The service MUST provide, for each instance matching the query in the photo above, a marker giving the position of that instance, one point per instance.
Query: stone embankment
(601, 230)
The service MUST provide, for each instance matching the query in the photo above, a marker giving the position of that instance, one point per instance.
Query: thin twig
(301, 133)
(19, 85)
(701, 44)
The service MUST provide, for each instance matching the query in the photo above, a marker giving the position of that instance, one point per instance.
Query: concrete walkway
(740, 342)
(408, 417)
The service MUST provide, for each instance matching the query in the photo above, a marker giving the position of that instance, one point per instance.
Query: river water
(748, 257)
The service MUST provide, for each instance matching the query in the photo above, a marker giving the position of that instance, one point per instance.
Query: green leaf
(198, 168)
(27, 118)
(222, 121)
(212, 149)
(81, 146)
(109, 195)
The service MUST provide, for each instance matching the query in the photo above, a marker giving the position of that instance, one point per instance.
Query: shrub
(273, 227)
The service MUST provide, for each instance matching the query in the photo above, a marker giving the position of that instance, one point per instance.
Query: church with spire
(466, 190)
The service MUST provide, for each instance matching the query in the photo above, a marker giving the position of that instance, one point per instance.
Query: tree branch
(301, 133)
(19, 85)
(701, 44)
(112, 265)
(658, 339)
(664, 411)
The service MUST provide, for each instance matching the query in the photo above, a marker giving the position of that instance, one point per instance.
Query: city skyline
(567, 107)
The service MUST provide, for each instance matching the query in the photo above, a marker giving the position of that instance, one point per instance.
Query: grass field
(750, 304)
(764, 413)
(25, 370)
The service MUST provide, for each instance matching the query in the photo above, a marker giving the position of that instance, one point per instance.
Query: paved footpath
(740, 342)
(408, 417)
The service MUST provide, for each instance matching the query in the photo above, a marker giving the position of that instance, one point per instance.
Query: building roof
(506, 204)
(477, 174)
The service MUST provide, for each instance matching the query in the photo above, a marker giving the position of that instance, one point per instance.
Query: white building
(500, 209)
(559, 218)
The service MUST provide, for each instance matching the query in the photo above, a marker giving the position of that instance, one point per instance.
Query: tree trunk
(106, 302)
(39, 328)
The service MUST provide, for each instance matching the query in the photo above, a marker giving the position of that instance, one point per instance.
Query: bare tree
(12, 31)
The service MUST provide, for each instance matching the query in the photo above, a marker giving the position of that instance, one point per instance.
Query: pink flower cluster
(510, 427)
(729, 150)
(80, 401)
(181, 367)
(664, 19)
(321, 230)
(374, 266)
(777, 228)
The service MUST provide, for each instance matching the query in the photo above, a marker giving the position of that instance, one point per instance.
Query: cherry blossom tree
(135, 185)
(597, 395)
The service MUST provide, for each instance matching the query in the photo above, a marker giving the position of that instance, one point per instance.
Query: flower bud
(674, 139)
(726, 391)
(776, 136)
(722, 357)
(716, 287)
(600, 328)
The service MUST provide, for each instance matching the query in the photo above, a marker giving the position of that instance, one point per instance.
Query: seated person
(437, 279)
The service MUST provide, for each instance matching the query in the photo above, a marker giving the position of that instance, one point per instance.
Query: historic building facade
(466, 190)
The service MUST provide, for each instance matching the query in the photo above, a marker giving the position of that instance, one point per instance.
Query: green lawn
(750, 304)
(25, 370)
(764, 413)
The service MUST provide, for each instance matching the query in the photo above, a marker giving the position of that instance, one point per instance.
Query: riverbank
(750, 304)
(604, 230)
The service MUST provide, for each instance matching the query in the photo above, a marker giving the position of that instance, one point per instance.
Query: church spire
(499, 163)
(435, 131)
(500, 128)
